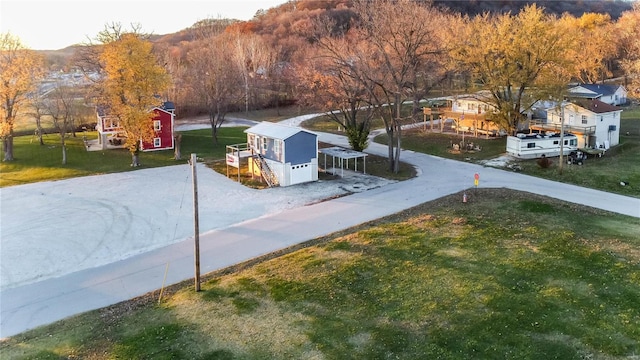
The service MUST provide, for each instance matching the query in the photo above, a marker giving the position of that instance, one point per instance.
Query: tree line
(355, 60)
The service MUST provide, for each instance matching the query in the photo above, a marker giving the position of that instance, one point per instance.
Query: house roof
(596, 106)
(167, 106)
(585, 90)
(275, 131)
(102, 110)
(482, 96)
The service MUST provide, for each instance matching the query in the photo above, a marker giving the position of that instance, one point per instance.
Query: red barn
(110, 133)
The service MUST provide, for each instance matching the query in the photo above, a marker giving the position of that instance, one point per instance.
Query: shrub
(544, 162)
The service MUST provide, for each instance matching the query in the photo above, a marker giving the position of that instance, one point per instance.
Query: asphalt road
(26, 307)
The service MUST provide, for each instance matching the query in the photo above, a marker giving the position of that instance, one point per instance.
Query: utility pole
(561, 137)
(196, 225)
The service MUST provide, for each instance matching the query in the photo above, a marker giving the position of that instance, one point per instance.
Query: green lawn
(620, 164)
(40, 163)
(506, 276)
(34, 162)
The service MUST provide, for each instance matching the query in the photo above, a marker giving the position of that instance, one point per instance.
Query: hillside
(283, 21)
(574, 7)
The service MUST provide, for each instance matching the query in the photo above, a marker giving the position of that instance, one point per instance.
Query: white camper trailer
(532, 146)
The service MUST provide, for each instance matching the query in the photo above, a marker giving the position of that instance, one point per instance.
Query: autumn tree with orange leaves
(20, 71)
(131, 81)
(629, 43)
(519, 59)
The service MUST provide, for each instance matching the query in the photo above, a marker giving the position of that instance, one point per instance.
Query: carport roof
(275, 131)
(342, 153)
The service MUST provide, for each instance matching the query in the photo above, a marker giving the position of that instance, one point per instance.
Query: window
(574, 142)
(157, 125)
(531, 145)
(556, 142)
(264, 143)
(584, 119)
(277, 145)
(157, 142)
(600, 118)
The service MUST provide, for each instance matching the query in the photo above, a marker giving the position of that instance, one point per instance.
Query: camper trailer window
(531, 145)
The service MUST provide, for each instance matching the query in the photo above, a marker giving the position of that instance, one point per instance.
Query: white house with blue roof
(282, 155)
(608, 94)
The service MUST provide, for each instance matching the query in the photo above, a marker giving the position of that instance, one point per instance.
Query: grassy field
(34, 162)
(620, 164)
(505, 276)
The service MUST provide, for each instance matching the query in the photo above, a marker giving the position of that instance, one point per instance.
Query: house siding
(165, 134)
(600, 123)
(470, 106)
(291, 153)
(109, 125)
(297, 149)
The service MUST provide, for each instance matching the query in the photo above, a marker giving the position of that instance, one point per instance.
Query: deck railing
(543, 125)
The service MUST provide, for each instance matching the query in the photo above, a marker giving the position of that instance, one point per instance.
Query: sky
(54, 24)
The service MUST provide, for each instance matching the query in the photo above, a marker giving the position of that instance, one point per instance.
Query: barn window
(157, 142)
(157, 125)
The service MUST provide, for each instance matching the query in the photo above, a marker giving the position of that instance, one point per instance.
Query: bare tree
(254, 59)
(59, 105)
(215, 78)
(38, 113)
(329, 80)
(401, 41)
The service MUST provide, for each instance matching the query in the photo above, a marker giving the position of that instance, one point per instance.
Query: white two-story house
(596, 123)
